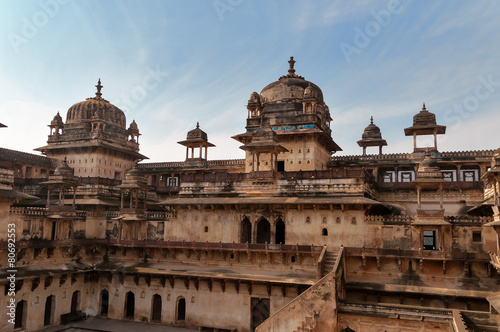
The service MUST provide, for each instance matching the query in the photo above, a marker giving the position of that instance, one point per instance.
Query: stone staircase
(307, 325)
(329, 261)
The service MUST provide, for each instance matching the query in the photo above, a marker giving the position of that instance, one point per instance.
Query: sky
(170, 64)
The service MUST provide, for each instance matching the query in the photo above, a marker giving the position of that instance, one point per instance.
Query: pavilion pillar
(48, 197)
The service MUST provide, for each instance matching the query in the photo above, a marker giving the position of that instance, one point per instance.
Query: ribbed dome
(197, 134)
(64, 169)
(424, 118)
(57, 121)
(371, 131)
(291, 88)
(85, 110)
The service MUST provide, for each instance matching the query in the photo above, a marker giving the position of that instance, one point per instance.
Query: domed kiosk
(295, 110)
(94, 139)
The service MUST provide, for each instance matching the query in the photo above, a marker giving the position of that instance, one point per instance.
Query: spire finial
(423, 107)
(98, 94)
(291, 71)
(197, 125)
(371, 119)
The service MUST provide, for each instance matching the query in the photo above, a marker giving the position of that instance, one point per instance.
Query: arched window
(75, 301)
(20, 321)
(263, 231)
(181, 310)
(129, 305)
(337, 220)
(104, 302)
(48, 317)
(156, 312)
(280, 232)
(246, 231)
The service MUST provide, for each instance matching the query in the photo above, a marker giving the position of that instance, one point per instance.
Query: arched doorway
(260, 311)
(280, 232)
(246, 231)
(263, 231)
(75, 301)
(181, 310)
(129, 305)
(104, 302)
(20, 321)
(156, 315)
(48, 317)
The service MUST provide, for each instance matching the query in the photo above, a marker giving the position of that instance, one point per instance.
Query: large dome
(86, 110)
(291, 88)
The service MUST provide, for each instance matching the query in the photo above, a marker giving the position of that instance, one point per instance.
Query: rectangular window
(429, 240)
(172, 181)
(469, 175)
(406, 176)
(476, 236)
(389, 176)
(161, 228)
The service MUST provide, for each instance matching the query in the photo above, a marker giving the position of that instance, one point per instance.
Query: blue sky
(169, 64)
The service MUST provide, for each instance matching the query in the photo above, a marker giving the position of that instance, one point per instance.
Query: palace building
(294, 237)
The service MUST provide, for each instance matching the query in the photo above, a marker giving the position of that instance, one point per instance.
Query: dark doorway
(429, 240)
(280, 232)
(263, 231)
(281, 166)
(53, 231)
(129, 305)
(246, 231)
(260, 311)
(181, 310)
(75, 301)
(156, 316)
(49, 310)
(104, 302)
(20, 321)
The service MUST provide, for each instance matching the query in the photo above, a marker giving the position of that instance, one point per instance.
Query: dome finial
(291, 71)
(98, 94)
(197, 124)
(371, 119)
(423, 107)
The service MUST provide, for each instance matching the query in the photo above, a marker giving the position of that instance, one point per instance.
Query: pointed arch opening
(21, 309)
(104, 302)
(180, 316)
(156, 312)
(75, 301)
(263, 231)
(129, 305)
(50, 303)
(280, 232)
(246, 231)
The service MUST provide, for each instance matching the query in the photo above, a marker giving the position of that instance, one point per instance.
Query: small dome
(309, 92)
(424, 118)
(57, 121)
(197, 134)
(429, 164)
(371, 131)
(63, 169)
(254, 98)
(133, 126)
(85, 110)
(290, 88)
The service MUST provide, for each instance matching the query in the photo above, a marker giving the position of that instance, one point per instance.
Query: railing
(318, 300)
(399, 156)
(28, 210)
(402, 219)
(299, 175)
(99, 180)
(180, 164)
(416, 254)
(495, 261)
(244, 247)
